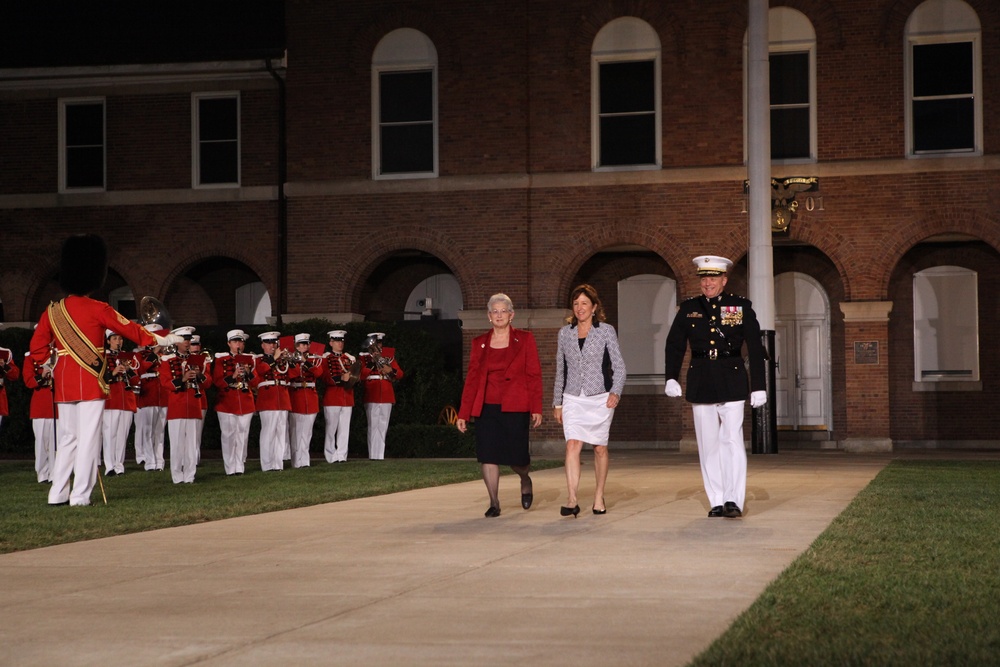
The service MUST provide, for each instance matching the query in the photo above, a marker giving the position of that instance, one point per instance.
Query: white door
(802, 348)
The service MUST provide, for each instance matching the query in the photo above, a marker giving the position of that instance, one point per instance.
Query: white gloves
(673, 389)
(169, 339)
(758, 398)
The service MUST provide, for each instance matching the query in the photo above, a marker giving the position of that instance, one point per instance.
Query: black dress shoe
(569, 511)
(717, 511)
(732, 511)
(493, 511)
(65, 502)
(527, 498)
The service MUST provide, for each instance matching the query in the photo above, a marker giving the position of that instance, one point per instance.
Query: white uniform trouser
(273, 439)
(201, 429)
(300, 431)
(378, 424)
(149, 425)
(723, 455)
(338, 428)
(78, 451)
(45, 447)
(235, 431)
(183, 449)
(116, 425)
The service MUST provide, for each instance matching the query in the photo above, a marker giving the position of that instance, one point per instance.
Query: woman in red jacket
(503, 391)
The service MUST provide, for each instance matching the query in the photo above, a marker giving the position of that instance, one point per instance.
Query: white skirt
(587, 418)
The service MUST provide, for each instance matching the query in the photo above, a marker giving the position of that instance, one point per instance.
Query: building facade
(409, 158)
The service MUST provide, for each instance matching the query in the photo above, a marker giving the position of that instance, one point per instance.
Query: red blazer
(232, 398)
(336, 394)
(271, 383)
(376, 388)
(11, 372)
(523, 378)
(149, 381)
(41, 390)
(303, 398)
(73, 382)
(182, 403)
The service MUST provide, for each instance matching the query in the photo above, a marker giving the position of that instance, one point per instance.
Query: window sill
(949, 385)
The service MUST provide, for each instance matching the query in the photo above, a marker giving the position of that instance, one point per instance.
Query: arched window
(122, 300)
(945, 325)
(944, 111)
(404, 106)
(625, 96)
(253, 304)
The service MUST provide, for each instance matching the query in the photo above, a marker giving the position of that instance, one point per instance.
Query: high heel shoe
(492, 511)
(569, 511)
(527, 498)
(603, 511)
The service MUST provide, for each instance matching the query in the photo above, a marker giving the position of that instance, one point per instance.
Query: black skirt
(502, 437)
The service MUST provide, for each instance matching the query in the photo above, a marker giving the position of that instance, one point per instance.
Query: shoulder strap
(75, 343)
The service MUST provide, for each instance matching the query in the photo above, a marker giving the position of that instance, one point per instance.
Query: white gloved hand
(169, 339)
(673, 389)
(758, 398)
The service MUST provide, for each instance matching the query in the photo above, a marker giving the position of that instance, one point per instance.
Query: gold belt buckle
(713, 353)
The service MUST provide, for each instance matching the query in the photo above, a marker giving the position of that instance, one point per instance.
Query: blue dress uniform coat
(716, 329)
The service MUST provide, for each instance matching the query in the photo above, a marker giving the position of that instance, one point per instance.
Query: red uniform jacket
(41, 389)
(302, 390)
(377, 388)
(183, 402)
(73, 382)
(337, 393)
(271, 382)
(522, 379)
(234, 397)
(121, 387)
(8, 371)
(149, 381)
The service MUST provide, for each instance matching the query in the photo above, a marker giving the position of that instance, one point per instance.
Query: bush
(424, 441)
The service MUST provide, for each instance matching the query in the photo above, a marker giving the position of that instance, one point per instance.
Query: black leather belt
(713, 354)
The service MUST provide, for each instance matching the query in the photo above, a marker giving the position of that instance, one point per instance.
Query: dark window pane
(85, 167)
(219, 162)
(943, 125)
(789, 78)
(627, 140)
(407, 148)
(84, 124)
(217, 119)
(127, 308)
(406, 97)
(627, 87)
(789, 133)
(942, 69)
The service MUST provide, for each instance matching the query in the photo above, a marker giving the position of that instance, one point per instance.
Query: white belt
(146, 376)
(271, 383)
(303, 385)
(372, 378)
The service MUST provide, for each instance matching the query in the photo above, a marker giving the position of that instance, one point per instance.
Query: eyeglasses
(503, 311)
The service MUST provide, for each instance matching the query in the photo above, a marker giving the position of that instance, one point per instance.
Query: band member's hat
(152, 328)
(301, 338)
(84, 264)
(374, 337)
(711, 265)
(196, 339)
(269, 336)
(337, 334)
(184, 332)
(236, 334)
(108, 333)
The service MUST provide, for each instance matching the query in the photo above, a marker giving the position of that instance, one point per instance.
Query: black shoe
(603, 511)
(527, 498)
(717, 511)
(65, 502)
(110, 473)
(732, 511)
(492, 511)
(569, 511)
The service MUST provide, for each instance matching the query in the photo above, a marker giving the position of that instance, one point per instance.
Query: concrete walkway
(422, 578)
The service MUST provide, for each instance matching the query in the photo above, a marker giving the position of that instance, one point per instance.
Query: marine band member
(338, 397)
(232, 375)
(304, 400)
(122, 378)
(182, 377)
(272, 371)
(379, 370)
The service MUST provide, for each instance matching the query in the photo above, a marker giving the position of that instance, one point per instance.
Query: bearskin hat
(84, 264)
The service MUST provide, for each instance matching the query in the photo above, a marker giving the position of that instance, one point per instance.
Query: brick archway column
(544, 324)
(866, 338)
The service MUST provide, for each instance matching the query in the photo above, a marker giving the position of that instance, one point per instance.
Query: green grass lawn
(140, 500)
(908, 574)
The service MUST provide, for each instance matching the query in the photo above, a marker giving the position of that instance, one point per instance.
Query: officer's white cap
(184, 332)
(269, 336)
(711, 265)
(236, 334)
(301, 338)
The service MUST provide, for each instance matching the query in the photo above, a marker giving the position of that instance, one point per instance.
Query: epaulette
(219, 355)
(167, 357)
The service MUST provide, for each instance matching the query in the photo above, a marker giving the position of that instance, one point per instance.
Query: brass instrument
(353, 368)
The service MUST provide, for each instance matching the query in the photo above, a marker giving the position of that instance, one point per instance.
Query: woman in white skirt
(590, 376)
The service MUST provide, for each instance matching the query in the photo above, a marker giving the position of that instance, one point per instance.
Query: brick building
(446, 150)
